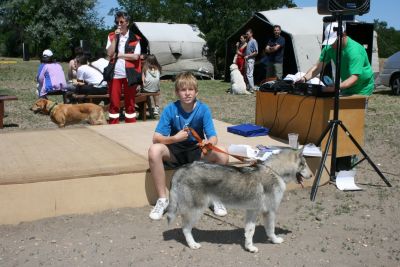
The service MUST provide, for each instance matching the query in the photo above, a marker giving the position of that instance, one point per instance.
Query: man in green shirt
(355, 72)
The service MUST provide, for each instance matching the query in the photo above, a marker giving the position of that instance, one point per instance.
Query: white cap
(331, 33)
(47, 53)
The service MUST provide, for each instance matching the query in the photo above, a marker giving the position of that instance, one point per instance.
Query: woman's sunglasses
(120, 22)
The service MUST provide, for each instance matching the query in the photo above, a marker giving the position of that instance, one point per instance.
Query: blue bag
(248, 130)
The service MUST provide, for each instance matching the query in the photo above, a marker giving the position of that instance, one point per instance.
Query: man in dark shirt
(275, 49)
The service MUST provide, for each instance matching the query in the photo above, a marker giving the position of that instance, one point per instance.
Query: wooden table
(2, 99)
(308, 116)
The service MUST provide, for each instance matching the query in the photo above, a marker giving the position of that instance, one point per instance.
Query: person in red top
(127, 68)
(239, 58)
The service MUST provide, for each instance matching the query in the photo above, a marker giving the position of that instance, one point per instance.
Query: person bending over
(173, 143)
(355, 73)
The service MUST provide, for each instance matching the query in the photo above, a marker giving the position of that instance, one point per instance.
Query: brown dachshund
(65, 114)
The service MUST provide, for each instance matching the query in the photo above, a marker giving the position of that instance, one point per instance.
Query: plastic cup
(293, 140)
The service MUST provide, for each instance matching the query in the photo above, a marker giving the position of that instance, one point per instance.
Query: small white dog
(238, 86)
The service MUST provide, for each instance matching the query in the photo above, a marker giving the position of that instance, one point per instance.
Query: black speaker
(345, 7)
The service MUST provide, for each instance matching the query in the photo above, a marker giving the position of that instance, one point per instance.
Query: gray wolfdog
(256, 189)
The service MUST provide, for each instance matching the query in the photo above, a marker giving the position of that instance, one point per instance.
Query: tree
(388, 39)
(217, 19)
(55, 24)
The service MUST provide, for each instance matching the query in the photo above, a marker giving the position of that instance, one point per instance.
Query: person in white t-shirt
(127, 73)
(89, 78)
(99, 61)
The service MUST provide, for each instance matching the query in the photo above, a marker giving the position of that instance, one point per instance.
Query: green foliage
(215, 18)
(60, 24)
(388, 39)
(54, 24)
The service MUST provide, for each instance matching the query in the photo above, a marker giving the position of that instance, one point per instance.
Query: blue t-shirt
(174, 118)
(277, 56)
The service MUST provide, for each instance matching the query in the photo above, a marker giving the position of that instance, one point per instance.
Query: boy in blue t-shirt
(173, 143)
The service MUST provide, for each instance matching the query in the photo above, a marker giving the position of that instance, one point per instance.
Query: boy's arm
(213, 140)
(180, 136)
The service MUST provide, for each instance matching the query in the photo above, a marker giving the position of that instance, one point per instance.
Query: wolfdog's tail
(173, 205)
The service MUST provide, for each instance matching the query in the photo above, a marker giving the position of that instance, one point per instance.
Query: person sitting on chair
(89, 80)
(100, 60)
(50, 75)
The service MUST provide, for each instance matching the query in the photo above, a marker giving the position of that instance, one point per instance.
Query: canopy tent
(302, 29)
(178, 47)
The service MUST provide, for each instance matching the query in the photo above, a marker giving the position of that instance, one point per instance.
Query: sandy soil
(338, 229)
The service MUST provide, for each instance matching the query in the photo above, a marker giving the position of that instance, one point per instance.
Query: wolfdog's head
(291, 165)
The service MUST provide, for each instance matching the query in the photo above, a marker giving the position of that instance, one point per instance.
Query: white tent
(178, 47)
(304, 26)
(302, 29)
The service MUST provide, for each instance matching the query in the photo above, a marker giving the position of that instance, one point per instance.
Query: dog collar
(52, 107)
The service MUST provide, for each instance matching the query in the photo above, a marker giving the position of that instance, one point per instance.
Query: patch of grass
(19, 79)
(342, 209)
(382, 122)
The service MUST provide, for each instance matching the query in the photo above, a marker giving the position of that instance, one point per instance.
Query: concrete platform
(45, 173)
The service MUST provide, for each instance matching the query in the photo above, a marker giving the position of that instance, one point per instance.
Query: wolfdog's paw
(194, 245)
(252, 248)
(277, 240)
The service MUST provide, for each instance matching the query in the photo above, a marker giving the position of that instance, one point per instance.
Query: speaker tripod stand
(333, 125)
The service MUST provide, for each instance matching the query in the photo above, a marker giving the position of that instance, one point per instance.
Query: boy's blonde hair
(185, 79)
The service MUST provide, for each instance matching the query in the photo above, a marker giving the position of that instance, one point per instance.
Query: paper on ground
(345, 181)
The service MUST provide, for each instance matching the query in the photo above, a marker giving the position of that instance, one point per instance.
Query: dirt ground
(359, 228)
(339, 229)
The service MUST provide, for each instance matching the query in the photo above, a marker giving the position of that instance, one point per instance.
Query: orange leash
(207, 147)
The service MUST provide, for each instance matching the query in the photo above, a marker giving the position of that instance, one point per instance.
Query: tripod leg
(326, 130)
(315, 185)
(364, 154)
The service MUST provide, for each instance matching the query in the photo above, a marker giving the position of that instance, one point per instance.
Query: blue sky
(384, 10)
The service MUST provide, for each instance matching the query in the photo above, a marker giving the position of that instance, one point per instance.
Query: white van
(390, 74)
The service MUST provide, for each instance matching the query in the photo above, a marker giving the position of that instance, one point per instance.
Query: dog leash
(207, 147)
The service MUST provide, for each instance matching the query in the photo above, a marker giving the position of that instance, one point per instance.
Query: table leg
(1, 113)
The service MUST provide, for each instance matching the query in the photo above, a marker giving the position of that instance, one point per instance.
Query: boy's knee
(153, 152)
(156, 151)
(218, 157)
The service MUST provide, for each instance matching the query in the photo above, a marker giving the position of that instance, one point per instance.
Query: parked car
(390, 74)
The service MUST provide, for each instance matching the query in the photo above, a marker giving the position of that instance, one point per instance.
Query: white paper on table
(251, 153)
(345, 181)
(242, 150)
(312, 151)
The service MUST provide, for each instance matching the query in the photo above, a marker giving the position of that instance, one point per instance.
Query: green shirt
(354, 61)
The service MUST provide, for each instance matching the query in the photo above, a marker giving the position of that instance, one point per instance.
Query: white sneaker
(158, 211)
(156, 110)
(219, 208)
